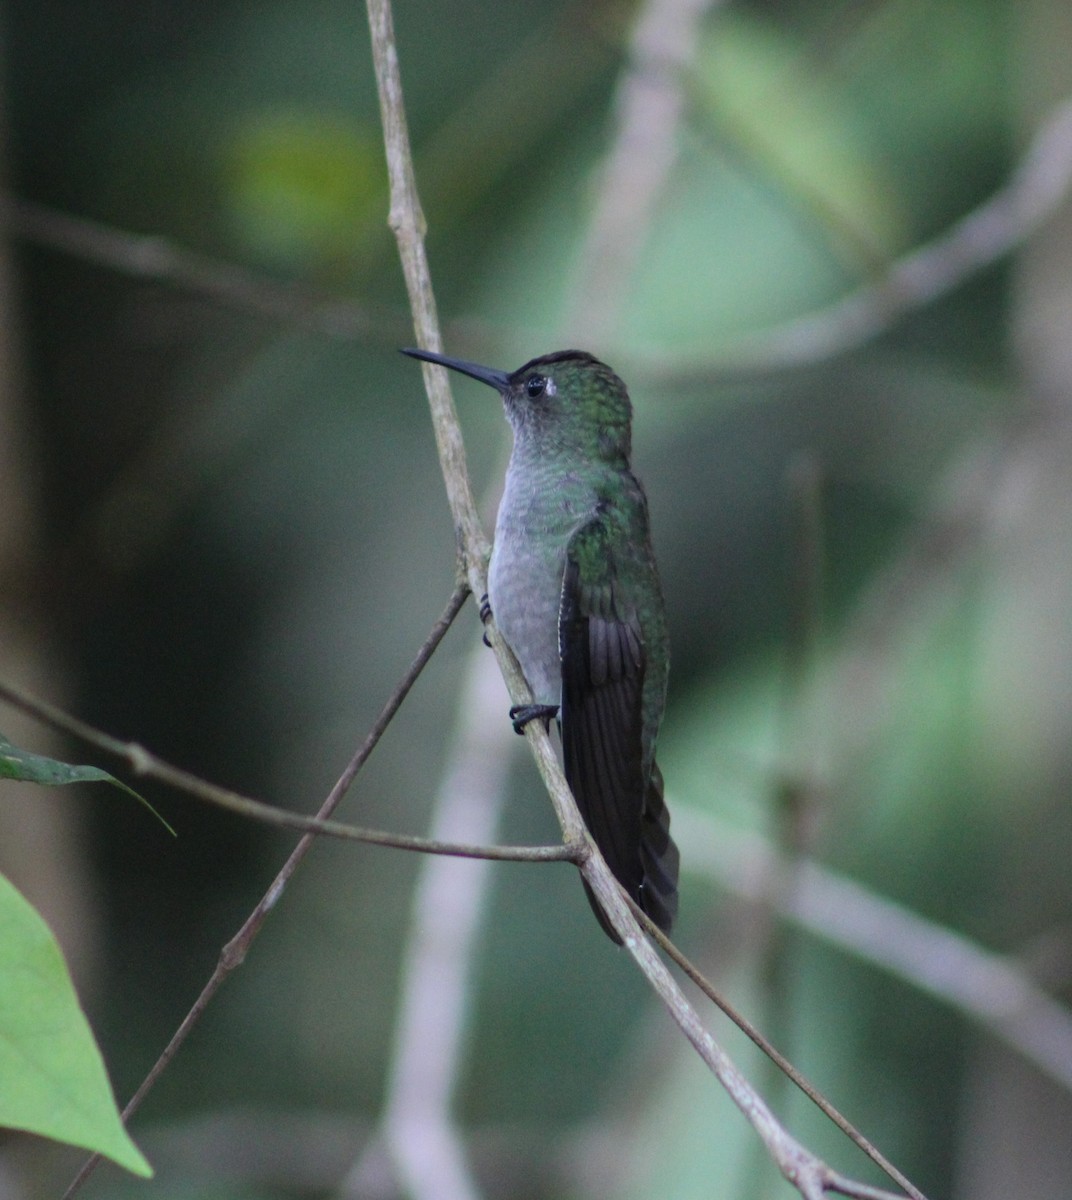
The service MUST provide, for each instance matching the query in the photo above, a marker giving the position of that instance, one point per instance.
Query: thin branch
(1035, 191)
(981, 238)
(650, 103)
(418, 1133)
(143, 762)
(234, 952)
(406, 220)
(991, 989)
(807, 1172)
(417, 1130)
(804, 1170)
(776, 1057)
(159, 260)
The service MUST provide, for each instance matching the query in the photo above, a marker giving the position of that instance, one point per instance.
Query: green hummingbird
(574, 590)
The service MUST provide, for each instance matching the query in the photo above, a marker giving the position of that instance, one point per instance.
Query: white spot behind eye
(550, 389)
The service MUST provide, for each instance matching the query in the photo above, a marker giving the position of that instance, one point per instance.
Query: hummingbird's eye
(535, 386)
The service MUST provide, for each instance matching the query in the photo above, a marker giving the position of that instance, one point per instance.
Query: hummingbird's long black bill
(499, 380)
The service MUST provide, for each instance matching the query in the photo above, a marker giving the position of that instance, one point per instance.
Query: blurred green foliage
(245, 540)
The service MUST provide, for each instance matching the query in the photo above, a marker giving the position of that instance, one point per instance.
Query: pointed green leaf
(52, 1077)
(21, 765)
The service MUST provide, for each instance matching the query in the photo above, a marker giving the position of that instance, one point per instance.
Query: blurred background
(223, 535)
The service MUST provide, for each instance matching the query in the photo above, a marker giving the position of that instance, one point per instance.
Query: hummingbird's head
(568, 401)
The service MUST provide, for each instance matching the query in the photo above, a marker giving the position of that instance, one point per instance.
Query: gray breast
(525, 575)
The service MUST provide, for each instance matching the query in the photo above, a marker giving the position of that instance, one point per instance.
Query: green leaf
(25, 767)
(52, 1077)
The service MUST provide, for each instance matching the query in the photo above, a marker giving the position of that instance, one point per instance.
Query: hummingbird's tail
(656, 892)
(659, 858)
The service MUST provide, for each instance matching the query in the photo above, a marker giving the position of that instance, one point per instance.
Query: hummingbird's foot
(485, 615)
(522, 714)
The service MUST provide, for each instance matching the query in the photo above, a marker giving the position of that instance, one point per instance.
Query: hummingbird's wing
(603, 663)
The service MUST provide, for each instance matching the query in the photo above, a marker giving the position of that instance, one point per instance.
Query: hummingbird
(574, 590)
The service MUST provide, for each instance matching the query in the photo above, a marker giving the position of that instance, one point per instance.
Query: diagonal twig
(650, 103)
(994, 990)
(1034, 192)
(234, 952)
(159, 260)
(812, 1177)
(417, 1139)
(776, 1057)
(980, 238)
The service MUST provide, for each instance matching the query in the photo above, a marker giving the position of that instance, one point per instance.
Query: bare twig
(145, 763)
(432, 1165)
(234, 952)
(991, 989)
(804, 1170)
(418, 1133)
(650, 102)
(159, 260)
(980, 238)
(407, 222)
(1002, 222)
(776, 1057)
(811, 1176)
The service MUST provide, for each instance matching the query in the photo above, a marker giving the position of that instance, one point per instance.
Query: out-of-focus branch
(159, 260)
(1002, 222)
(804, 1170)
(417, 1133)
(786, 1070)
(990, 989)
(812, 1177)
(650, 102)
(437, 980)
(978, 240)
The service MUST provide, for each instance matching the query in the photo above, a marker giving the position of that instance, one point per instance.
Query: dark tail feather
(659, 863)
(659, 858)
